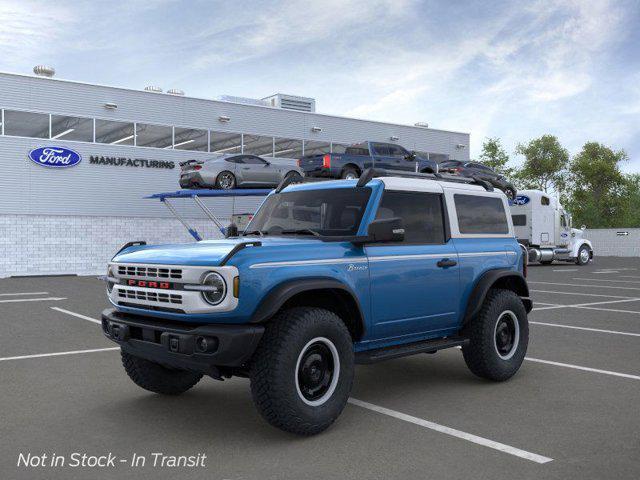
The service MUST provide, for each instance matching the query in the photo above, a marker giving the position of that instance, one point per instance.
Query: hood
(204, 253)
(577, 232)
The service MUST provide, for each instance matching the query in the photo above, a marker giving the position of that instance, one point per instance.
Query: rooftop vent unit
(292, 102)
(175, 91)
(44, 71)
(154, 89)
(244, 100)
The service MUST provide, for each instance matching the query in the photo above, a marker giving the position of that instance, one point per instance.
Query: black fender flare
(278, 296)
(504, 278)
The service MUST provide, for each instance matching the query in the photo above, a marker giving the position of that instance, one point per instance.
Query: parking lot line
(604, 280)
(579, 285)
(609, 310)
(566, 269)
(580, 305)
(23, 293)
(485, 442)
(597, 330)
(57, 354)
(84, 317)
(16, 300)
(579, 294)
(586, 369)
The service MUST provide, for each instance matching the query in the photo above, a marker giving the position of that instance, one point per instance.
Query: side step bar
(397, 351)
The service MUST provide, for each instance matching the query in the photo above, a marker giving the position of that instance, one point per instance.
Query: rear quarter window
(481, 215)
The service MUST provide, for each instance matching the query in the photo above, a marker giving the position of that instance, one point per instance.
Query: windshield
(326, 212)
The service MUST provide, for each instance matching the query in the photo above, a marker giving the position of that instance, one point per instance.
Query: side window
(481, 215)
(519, 220)
(380, 149)
(234, 160)
(421, 214)
(251, 160)
(397, 151)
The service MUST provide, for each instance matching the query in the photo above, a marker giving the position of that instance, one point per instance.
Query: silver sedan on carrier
(233, 171)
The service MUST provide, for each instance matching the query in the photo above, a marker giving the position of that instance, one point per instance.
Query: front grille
(149, 296)
(149, 272)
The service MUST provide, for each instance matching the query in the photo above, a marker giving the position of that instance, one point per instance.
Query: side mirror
(231, 231)
(386, 230)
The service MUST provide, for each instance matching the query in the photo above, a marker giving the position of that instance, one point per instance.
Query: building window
(114, 133)
(190, 139)
(26, 124)
(258, 145)
(157, 136)
(224, 142)
(71, 128)
(287, 148)
(481, 215)
(312, 147)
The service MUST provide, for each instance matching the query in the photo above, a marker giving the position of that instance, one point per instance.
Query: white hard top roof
(428, 185)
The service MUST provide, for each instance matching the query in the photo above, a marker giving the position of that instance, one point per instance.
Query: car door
(414, 283)
(402, 159)
(382, 157)
(256, 171)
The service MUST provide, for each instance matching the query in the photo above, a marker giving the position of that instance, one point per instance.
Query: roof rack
(371, 173)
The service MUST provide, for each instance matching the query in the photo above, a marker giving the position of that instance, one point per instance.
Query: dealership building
(128, 145)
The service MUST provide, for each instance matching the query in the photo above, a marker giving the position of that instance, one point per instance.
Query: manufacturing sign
(55, 157)
(130, 162)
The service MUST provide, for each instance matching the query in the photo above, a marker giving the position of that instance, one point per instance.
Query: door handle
(446, 262)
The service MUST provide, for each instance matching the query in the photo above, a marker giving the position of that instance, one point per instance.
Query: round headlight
(109, 275)
(219, 290)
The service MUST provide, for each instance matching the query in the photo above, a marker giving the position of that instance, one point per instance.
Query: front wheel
(302, 371)
(498, 336)
(584, 255)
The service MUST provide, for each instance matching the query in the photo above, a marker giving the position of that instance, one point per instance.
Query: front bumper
(181, 345)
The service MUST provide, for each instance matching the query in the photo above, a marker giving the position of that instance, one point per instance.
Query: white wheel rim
(334, 380)
(350, 176)
(584, 255)
(516, 334)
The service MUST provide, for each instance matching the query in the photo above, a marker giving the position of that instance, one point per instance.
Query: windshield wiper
(301, 231)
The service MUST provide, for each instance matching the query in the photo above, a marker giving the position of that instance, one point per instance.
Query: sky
(513, 70)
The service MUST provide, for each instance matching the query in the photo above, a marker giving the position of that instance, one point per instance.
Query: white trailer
(543, 226)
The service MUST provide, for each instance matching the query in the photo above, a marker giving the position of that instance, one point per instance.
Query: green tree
(495, 156)
(545, 164)
(599, 191)
(631, 215)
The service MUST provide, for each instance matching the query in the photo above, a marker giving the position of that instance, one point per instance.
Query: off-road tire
(480, 354)
(219, 178)
(157, 378)
(579, 261)
(273, 370)
(350, 172)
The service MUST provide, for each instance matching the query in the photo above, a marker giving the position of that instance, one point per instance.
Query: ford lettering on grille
(149, 284)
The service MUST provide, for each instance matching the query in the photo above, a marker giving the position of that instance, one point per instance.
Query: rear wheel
(498, 336)
(510, 193)
(350, 173)
(302, 371)
(584, 255)
(158, 378)
(225, 180)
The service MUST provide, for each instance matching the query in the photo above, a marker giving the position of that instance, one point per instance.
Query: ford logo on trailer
(56, 157)
(521, 200)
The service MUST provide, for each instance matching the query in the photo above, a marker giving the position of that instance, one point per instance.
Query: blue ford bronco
(326, 275)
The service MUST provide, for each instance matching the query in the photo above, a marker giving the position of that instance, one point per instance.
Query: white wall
(54, 245)
(609, 242)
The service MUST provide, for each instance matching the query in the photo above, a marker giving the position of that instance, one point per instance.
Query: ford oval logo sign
(521, 200)
(56, 157)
